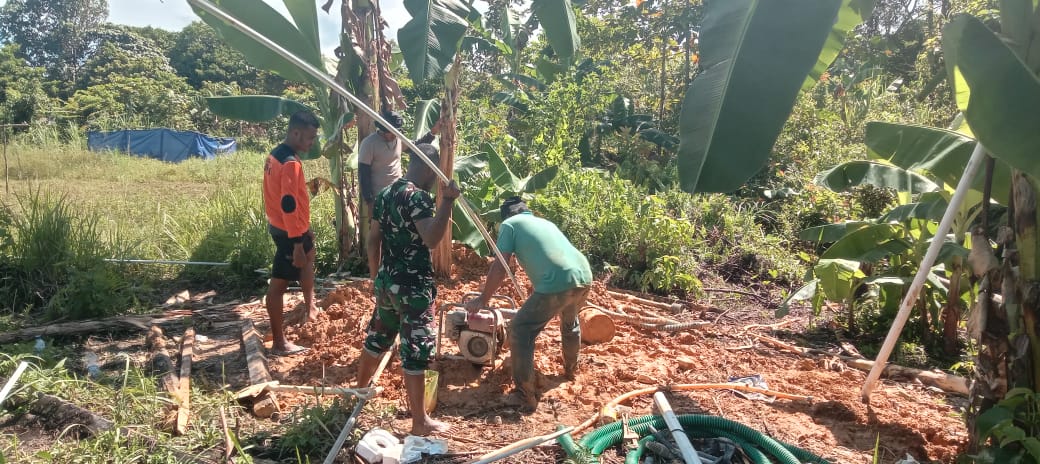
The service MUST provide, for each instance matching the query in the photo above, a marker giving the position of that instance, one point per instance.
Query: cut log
(946, 382)
(184, 408)
(265, 404)
(596, 327)
(142, 322)
(161, 364)
(58, 414)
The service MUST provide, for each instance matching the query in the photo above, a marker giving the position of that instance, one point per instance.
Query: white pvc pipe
(689, 454)
(977, 156)
(11, 381)
(336, 87)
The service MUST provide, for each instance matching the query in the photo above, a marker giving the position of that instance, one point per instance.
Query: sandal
(295, 350)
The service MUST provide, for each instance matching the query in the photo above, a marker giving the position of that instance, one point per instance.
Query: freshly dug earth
(902, 418)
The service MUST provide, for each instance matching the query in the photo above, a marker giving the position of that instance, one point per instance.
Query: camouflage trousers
(408, 312)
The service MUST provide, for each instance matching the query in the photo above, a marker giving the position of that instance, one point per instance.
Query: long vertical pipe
(977, 156)
(689, 454)
(336, 87)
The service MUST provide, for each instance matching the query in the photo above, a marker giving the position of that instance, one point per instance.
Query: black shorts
(282, 267)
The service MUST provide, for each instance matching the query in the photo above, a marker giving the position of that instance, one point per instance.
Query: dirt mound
(836, 425)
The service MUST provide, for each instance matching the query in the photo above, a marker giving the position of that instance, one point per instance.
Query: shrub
(663, 242)
(53, 258)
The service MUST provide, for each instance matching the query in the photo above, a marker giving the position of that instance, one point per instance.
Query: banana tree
(488, 180)
(622, 119)
(365, 67)
(889, 248)
(994, 77)
(734, 109)
(431, 43)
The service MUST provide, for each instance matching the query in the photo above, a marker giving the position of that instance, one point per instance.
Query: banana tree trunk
(360, 19)
(951, 314)
(1009, 349)
(448, 141)
(1024, 370)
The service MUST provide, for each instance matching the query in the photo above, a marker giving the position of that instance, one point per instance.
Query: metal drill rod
(210, 8)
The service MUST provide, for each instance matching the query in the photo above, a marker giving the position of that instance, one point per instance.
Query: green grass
(128, 396)
(140, 208)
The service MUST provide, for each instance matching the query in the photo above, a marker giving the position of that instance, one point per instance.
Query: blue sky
(175, 14)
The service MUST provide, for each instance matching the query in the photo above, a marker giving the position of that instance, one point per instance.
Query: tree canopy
(53, 35)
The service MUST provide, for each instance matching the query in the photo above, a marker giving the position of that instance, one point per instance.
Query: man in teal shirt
(561, 277)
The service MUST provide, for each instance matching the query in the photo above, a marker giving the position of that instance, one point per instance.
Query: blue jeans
(536, 312)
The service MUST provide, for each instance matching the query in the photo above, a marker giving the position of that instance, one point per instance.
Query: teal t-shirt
(548, 258)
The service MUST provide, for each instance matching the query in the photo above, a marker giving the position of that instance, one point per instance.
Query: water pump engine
(480, 336)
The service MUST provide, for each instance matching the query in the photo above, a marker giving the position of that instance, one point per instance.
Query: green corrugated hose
(594, 443)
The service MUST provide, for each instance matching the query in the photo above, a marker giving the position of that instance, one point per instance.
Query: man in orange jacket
(288, 209)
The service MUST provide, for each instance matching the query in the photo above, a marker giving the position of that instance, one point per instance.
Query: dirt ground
(903, 418)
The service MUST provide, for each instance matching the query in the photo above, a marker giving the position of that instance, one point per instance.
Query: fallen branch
(161, 364)
(730, 290)
(946, 382)
(264, 404)
(253, 391)
(184, 407)
(142, 322)
(57, 414)
(766, 326)
(519, 446)
(673, 307)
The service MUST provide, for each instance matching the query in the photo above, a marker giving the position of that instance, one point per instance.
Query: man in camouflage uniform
(403, 229)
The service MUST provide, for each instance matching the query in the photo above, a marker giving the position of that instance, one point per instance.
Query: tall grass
(112, 205)
(53, 258)
(125, 394)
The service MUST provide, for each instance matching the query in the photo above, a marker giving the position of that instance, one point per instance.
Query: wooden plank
(265, 404)
(184, 408)
(161, 364)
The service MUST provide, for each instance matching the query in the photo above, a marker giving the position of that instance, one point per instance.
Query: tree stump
(596, 327)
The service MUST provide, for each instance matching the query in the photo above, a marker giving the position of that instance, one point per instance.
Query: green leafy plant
(667, 274)
(489, 188)
(716, 152)
(312, 430)
(1012, 428)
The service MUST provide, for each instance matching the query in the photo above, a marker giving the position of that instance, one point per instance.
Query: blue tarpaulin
(162, 144)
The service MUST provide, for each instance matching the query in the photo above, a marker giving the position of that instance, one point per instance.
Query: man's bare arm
(432, 230)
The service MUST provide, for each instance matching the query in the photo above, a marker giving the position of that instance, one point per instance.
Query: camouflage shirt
(405, 259)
